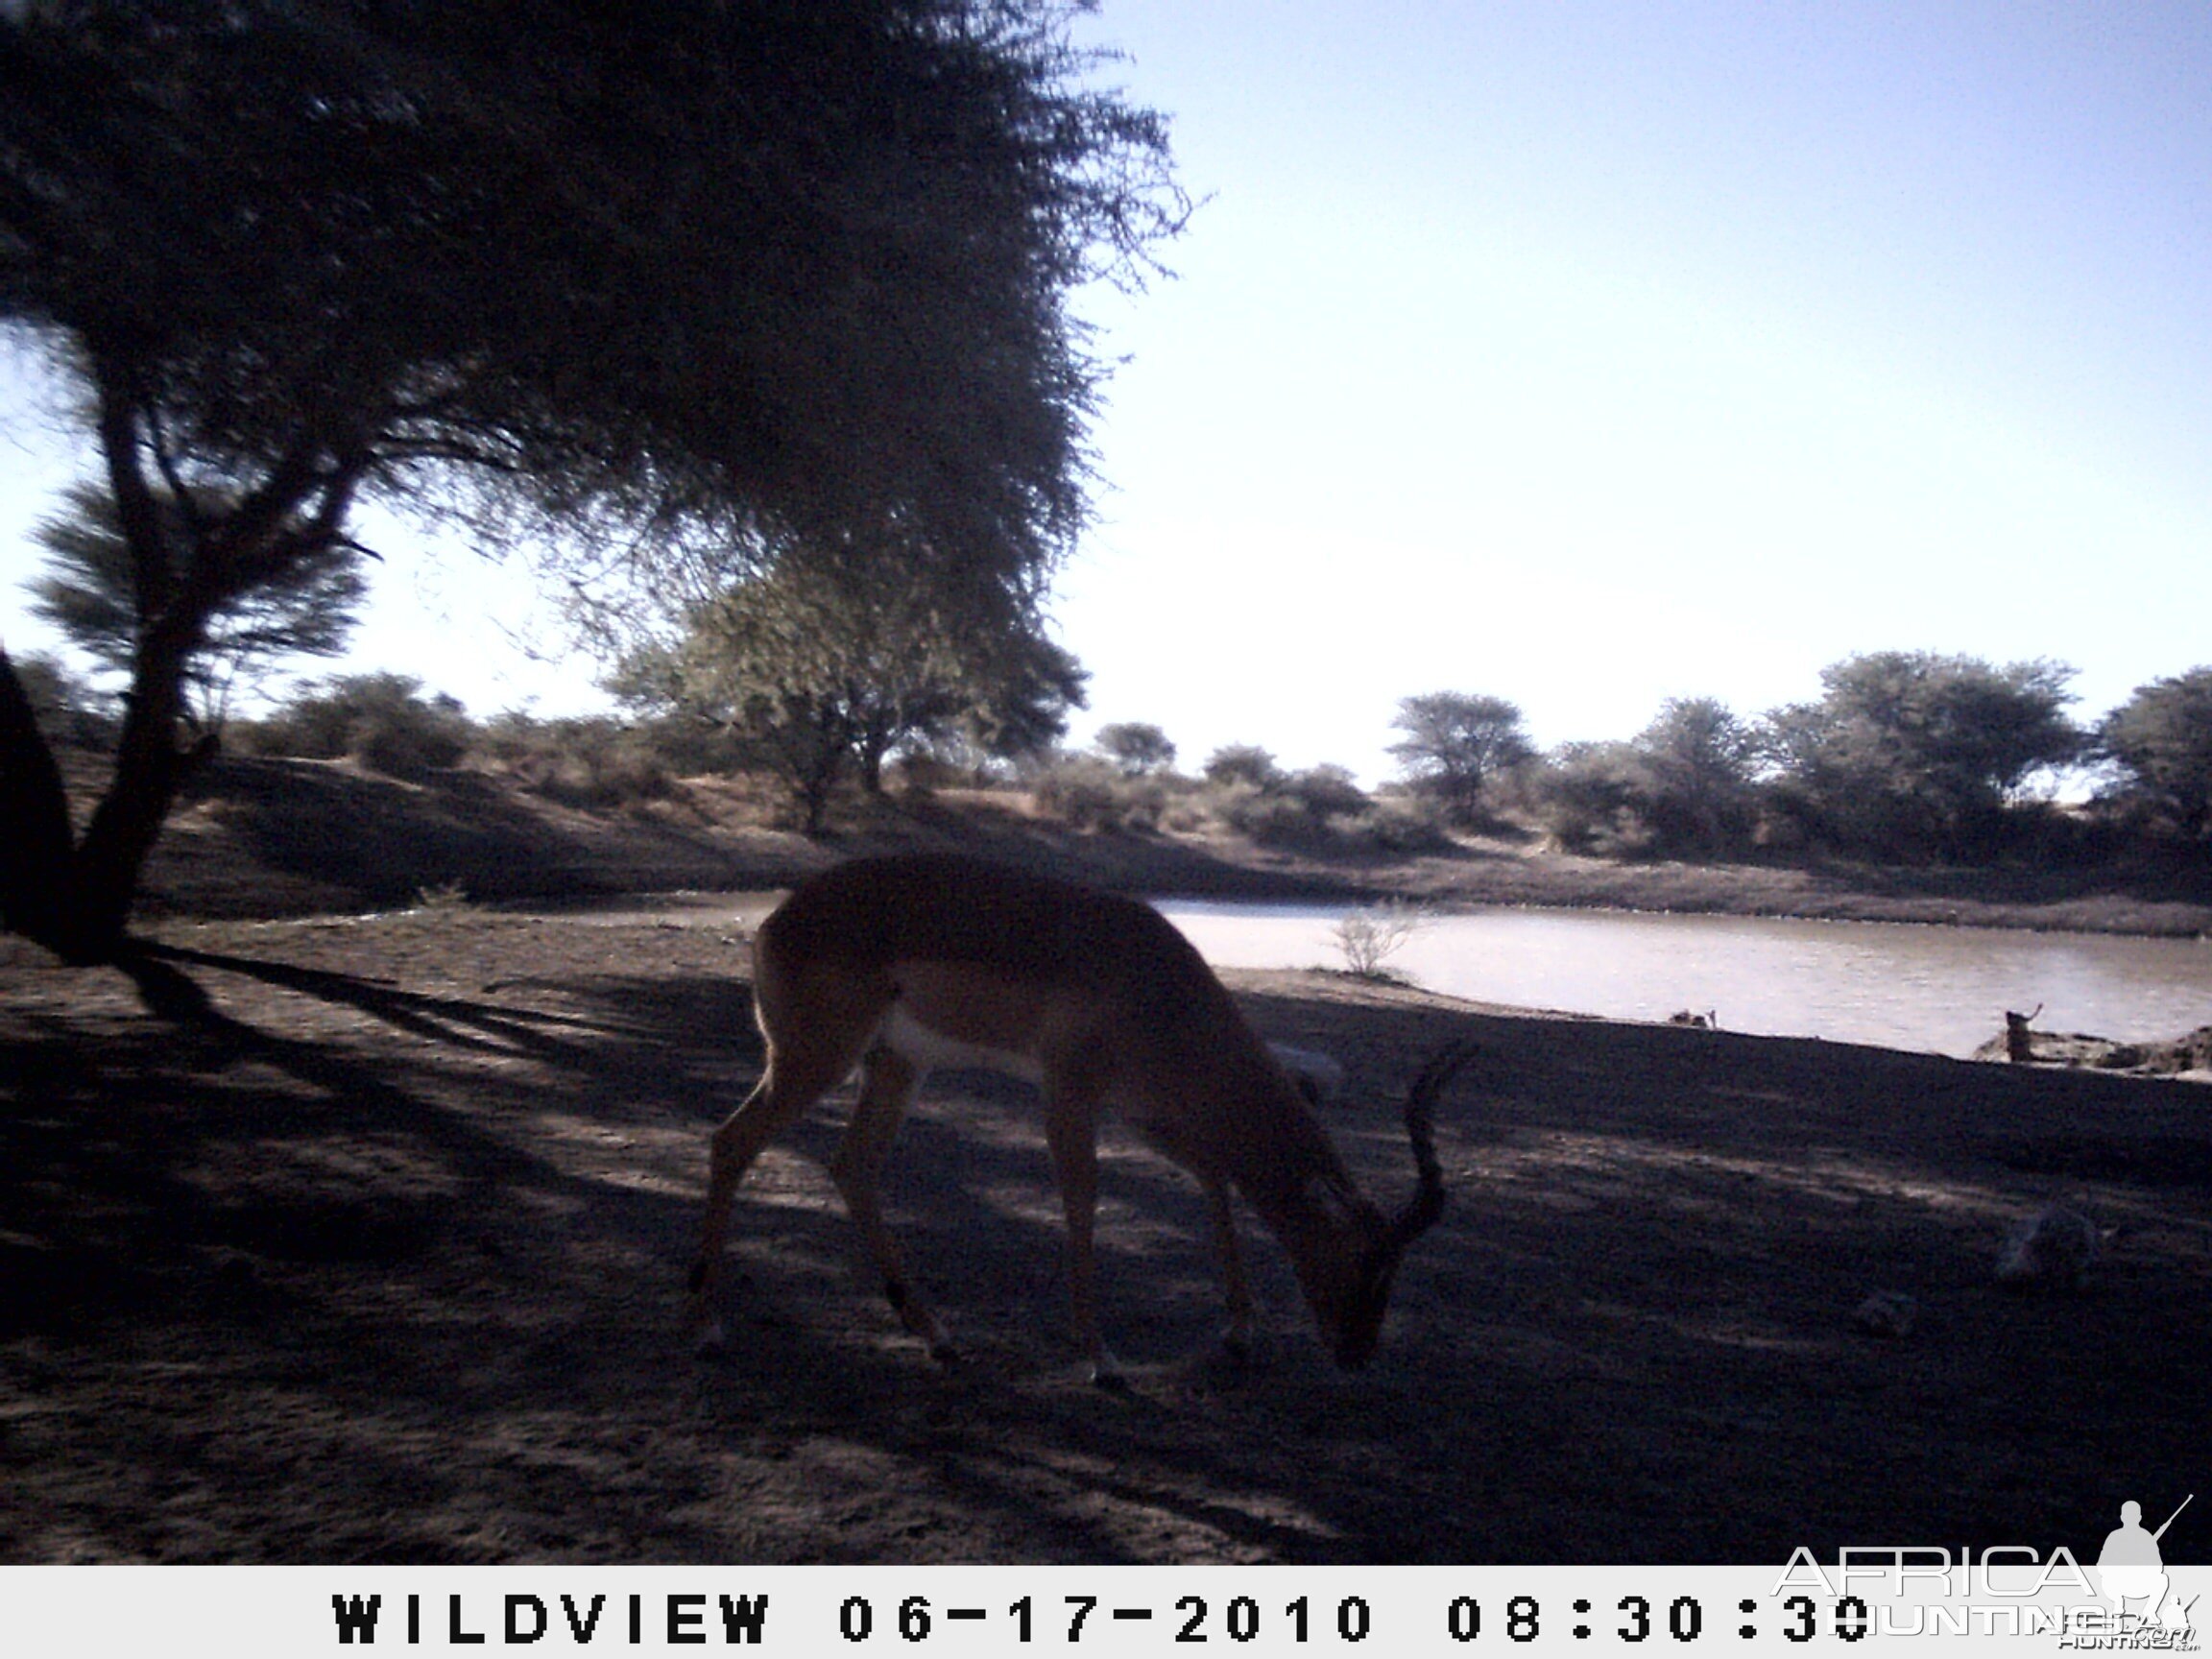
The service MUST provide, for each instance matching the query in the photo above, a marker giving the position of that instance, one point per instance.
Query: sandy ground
(367, 1244)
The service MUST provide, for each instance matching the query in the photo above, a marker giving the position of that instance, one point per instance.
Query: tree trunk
(872, 752)
(150, 768)
(76, 900)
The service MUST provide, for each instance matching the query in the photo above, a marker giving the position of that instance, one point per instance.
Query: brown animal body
(891, 966)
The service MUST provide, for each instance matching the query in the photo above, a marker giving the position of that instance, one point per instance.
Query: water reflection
(1939, 989)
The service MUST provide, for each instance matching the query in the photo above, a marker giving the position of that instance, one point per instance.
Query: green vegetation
(670, 290)
(1137, 748)
(1914, 753)
(826, 666)
(90, 591)
(1456, 745)
(293, 256)
(2161, 742)
(1907, 758)
(1908, 761)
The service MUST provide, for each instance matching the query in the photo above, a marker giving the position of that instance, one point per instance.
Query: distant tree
(1698, 760)
(1456, 743)
(2161, 738)
(1327, 791)
(1595, 798)
(1243, 763)
(826, 665)
(92, 593)
(1135, 746)
(385, 721)
(1915, 750)
(622, 270)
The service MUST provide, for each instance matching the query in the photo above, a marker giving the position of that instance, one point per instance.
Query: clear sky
(1589, 355)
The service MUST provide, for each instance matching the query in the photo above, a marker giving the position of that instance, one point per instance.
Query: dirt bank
(290, 838)
(369, 1245)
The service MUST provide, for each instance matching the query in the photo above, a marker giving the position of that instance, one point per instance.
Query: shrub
(1590, 797)
(590, 761)
(1268, 818)
(1086, 793)
(67, 707)
(1368, 937)
(1399, 823)
(1137, 747)
(1327, 791)
(1243, 763)
(381, 720)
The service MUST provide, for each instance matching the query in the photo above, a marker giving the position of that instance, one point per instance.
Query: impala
(894, 965)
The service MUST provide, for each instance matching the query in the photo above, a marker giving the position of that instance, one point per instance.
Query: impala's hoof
(946, 1352)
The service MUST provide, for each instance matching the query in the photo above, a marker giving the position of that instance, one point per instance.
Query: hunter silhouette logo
(2131, 1569)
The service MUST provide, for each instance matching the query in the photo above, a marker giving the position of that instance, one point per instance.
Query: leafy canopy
(732, 275)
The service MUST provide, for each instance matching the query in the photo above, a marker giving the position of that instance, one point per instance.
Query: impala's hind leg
(1238, 1338)
(798, 1074)
(1071, 1105)
(887, 1083)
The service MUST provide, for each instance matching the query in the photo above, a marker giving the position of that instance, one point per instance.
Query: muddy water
(1940, 990)
(1932, 989)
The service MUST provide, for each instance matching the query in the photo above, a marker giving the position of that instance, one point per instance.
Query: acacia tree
(1138, 747)
(2162, 739)
(1914, 749)
(757, 266)
(1455, 742)
(1245, 763)
(1697, 760)
(89, 592)
(826, 664)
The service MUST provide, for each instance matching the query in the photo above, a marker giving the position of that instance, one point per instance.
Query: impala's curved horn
(1428, 1201)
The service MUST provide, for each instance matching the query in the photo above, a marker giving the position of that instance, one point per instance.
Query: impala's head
(1347, 1274)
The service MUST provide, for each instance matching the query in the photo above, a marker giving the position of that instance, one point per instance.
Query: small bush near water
(1370, 937)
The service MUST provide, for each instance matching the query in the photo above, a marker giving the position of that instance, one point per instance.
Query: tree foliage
(1245, 763)
(790, 271)
(1683, 785)
(1698, 760)
(828, 665)
(1455, 742)
(1138, 747)
(89, 592)
(1912, 749)
(2161, 738)
(384, 721)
